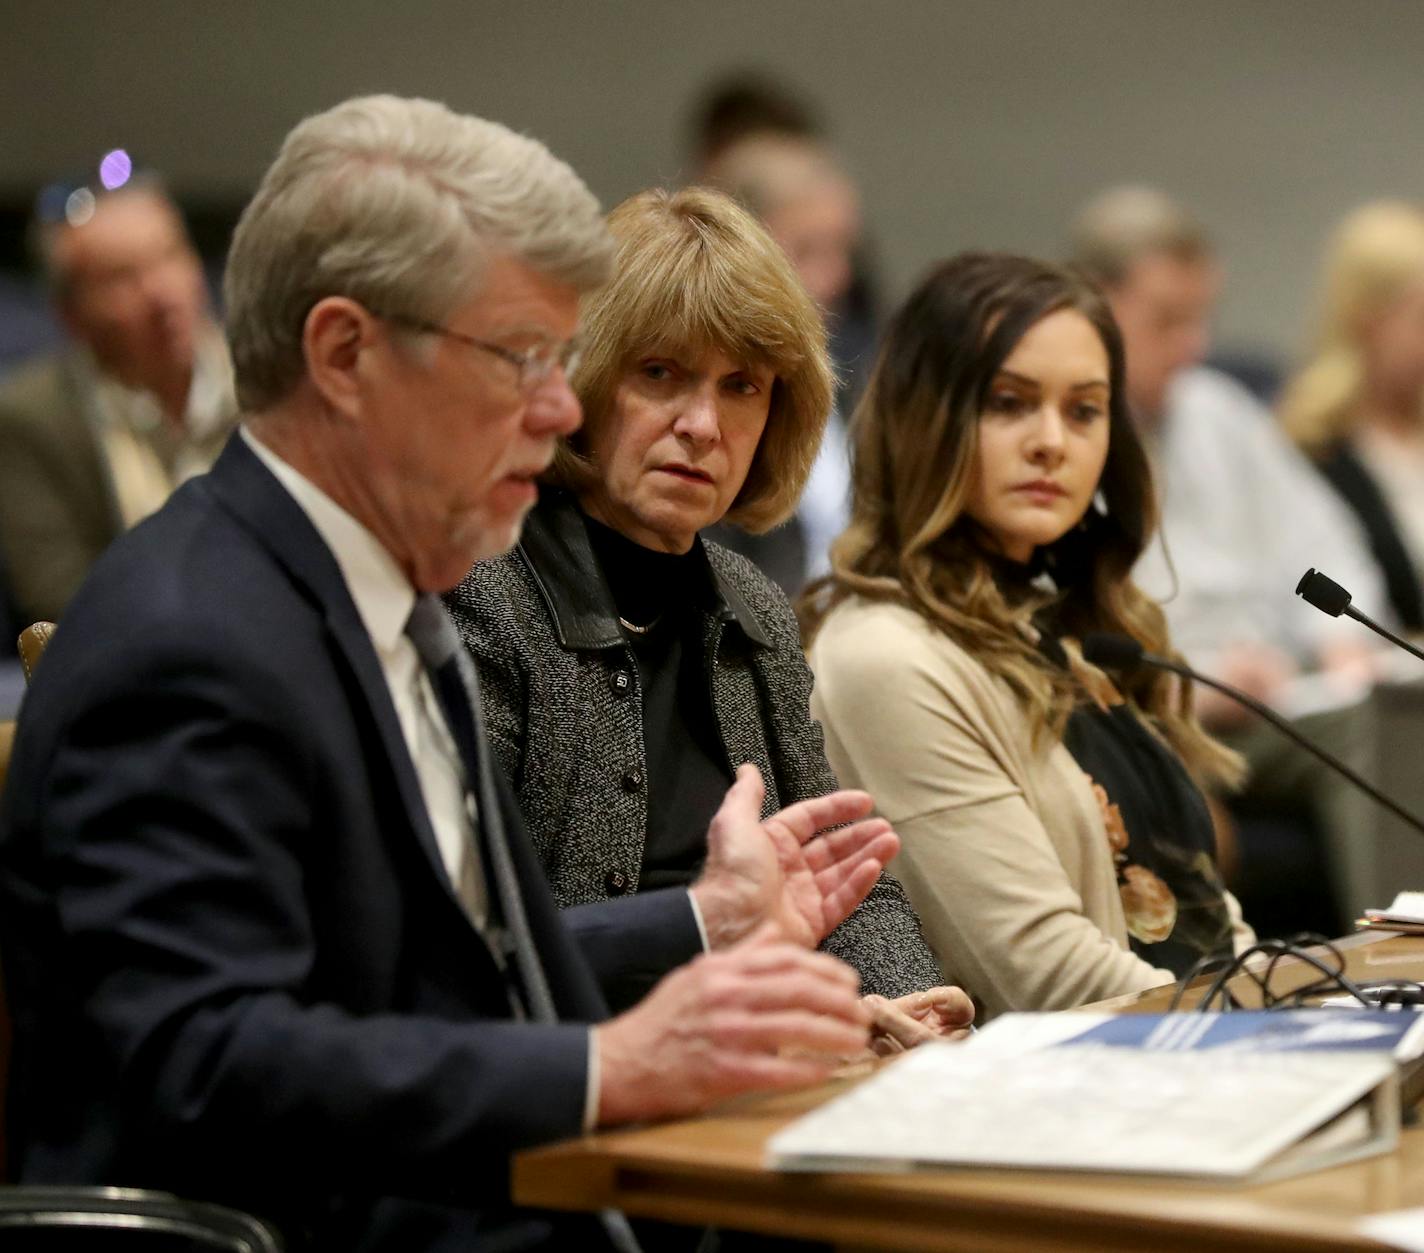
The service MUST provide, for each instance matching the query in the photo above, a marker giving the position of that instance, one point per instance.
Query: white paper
(1207, 1114)
(1406, 907)
(1401, 1228)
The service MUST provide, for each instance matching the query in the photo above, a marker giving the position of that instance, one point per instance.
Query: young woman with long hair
(1055, 840)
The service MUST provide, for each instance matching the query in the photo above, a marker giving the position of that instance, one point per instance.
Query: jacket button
(632, 780)
(621, 682)
(616, 882)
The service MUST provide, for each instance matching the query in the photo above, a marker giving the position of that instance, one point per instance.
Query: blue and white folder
(1239, 1096)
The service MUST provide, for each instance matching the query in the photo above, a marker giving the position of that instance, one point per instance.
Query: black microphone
(1329, 597)
(1120, 652)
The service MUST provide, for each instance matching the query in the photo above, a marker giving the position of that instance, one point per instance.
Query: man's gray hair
(396, 204)
(1120, 226)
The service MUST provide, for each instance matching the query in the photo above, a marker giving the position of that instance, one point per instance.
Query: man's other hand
(761, 1015)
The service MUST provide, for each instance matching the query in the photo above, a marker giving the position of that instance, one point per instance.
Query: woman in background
(1357, 407)
(1054, 840)
(629, 666)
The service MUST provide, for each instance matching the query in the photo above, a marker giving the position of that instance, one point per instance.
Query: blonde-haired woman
(1357, 406)
(629, 667)
(1053, 838)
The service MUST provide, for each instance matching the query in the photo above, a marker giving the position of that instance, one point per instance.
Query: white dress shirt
(1244, 515)
(148, 457)
(384, 598)
(824, 509)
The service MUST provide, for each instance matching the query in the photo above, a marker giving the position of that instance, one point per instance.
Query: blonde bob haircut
(693, 272)
(1375, 255)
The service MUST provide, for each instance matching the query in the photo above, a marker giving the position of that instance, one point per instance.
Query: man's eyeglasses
(533, 364)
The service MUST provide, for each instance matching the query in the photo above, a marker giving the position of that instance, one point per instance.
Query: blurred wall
(969, 122)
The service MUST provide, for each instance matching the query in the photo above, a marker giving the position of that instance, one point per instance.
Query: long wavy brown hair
(915, 441)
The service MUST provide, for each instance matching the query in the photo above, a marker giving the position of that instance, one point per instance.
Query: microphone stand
(1270, 715)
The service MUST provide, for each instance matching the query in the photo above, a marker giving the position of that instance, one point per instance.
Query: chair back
(7, 746)
(37, 1219)
(32, 643)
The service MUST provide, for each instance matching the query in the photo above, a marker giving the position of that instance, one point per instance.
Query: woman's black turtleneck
(686, 764)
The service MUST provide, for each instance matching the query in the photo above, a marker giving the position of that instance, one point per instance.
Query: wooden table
(709, 1171)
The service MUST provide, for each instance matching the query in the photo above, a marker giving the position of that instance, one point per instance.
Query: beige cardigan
(1005, 855)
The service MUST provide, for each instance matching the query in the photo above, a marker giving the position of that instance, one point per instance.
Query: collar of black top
(557, 549)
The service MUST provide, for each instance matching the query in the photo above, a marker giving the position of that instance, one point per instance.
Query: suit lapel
(247, 489)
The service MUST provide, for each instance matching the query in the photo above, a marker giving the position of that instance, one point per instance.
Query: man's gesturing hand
(789, 870)
(717, 1027)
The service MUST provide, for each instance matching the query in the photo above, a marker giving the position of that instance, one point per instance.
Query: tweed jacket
(59, 509)
(564, 712)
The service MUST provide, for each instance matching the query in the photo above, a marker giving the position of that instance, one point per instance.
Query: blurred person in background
(809, 204)
(94, 438)
(1357, 405)
(763, 146)
(1054, 838)
(745, 103)
(1243, 513)
(812, 210)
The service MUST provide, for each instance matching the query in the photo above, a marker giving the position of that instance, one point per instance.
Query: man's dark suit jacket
(237, 967)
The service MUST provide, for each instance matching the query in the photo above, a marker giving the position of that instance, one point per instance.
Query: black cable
(1200, 967)
(1332, 979)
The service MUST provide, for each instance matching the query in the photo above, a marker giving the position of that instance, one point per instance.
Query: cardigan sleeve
(882, 939)
(1243, 935)
(1002, 911)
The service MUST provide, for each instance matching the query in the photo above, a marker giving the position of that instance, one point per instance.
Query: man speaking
(273, 935)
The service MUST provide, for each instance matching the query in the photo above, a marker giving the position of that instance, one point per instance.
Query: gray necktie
(452, 674)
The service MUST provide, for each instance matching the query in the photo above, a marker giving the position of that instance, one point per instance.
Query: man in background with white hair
(1243, 513)
(274, 934)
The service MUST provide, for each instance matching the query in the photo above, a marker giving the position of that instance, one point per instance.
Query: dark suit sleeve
(633, 941)
(180, 848)
(882, 939)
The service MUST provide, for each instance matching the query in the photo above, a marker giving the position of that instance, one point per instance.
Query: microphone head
(1324, 593)
(1112, 652)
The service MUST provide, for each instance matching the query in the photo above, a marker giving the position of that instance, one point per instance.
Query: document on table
(1014, 1097)
(1400, 1229)
(1405, 913)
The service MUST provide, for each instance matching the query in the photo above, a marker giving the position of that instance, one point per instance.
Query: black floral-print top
(1159, 828)
(1161, 834)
